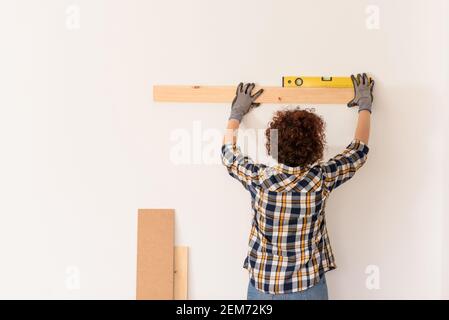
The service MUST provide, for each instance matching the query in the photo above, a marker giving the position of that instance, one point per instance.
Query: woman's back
(289, 248)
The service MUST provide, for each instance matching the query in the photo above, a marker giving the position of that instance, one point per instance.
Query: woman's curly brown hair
(301, 137)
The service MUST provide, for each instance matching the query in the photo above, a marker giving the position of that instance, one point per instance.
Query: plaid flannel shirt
(289, 248)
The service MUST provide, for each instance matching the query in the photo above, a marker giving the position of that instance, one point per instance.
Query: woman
(289, 249)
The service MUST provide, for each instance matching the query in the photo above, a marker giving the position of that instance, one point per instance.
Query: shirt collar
(292, 170)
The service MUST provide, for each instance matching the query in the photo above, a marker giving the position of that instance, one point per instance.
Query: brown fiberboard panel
(155, 254)
(277, 95)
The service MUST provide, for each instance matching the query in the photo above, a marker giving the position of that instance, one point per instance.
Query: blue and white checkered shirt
(289, 248)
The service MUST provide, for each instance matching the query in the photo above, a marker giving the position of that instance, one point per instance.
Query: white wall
(83, 145)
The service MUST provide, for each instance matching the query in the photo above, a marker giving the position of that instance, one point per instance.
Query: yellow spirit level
(317, 82)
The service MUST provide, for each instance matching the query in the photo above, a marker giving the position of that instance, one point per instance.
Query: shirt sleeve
(240, 167)
(343, 166)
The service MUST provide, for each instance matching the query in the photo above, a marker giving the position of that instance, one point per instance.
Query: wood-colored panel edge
(181, 271)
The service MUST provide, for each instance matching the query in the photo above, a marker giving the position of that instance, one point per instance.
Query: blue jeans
(317, 292)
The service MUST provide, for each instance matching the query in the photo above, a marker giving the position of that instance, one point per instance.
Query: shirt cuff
(358, 145)
(229, 147)
(229, 152)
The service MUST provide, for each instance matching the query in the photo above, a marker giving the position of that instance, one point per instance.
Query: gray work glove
(244, 101)
(363, 92)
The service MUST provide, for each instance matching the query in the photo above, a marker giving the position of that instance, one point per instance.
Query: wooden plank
(181, 273)
(225, 94)
(155, 254)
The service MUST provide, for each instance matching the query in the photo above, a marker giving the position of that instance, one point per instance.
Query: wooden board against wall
(225, 94)
(181, 273)
(155, 254)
